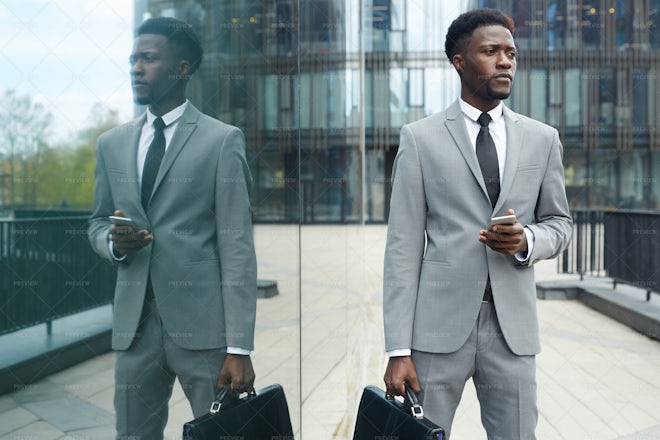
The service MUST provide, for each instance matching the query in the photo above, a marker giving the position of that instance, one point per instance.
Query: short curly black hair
(178, 33)
(461, 29)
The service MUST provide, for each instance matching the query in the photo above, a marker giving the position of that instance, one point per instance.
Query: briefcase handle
(411, 401)
(225, 396)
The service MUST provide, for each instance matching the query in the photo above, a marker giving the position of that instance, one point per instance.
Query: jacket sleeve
(99, 225)
(235, 241)
(553, 224)
(405, 245)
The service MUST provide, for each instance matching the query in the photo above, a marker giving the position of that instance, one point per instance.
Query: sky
(69, 55)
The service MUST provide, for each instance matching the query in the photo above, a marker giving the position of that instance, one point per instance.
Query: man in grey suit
(185, 298)
(459, 295)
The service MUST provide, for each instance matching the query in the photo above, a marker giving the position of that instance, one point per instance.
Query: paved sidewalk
(597, 379)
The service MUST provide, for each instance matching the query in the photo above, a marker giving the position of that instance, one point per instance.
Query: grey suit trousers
(145, 374)
(505, 382)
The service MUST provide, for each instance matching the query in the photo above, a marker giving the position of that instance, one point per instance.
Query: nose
(136, 68)
(503, 60)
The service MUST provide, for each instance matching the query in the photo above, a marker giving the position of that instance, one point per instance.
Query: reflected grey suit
(435, 268)
(201, 262)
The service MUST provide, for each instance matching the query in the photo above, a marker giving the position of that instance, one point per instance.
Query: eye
(145, 58)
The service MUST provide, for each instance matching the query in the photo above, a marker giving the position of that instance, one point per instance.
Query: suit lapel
(456, 126)
(184, 130)
(514, 142)
(130, 159)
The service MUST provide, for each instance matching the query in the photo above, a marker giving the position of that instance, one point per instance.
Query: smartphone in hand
(121, 221)
(503, 220)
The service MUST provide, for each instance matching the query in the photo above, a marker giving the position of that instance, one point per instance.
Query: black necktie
(487, 156)
(152, 161)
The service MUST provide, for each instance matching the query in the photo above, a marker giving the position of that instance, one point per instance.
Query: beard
(142, 99)
(499, 95)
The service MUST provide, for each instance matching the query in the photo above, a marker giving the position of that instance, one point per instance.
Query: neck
(479, 102)
(162, 108)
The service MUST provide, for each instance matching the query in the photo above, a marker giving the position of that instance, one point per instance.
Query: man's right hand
(400, 370)
(126, 240)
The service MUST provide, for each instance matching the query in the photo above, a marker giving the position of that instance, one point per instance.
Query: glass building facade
(322, 87)
(590, 69)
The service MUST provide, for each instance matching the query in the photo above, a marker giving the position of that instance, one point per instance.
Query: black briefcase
(381, 417)
(263, 415)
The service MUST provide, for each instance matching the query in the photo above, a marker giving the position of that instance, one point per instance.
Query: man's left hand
(505, 239)
(237, 370)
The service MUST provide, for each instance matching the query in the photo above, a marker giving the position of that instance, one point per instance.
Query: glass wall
(362, 69)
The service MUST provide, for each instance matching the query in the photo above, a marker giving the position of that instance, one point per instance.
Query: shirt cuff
(112, 250)
(400, 352)
(236, 350)
(524, 257)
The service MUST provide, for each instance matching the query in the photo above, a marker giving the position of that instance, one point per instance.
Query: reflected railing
(48, 271)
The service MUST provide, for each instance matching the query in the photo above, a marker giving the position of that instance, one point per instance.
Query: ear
(184, 67)
(458, 61)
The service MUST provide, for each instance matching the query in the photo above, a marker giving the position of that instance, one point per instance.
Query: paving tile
(104, 399)
(15, 419)
(652, 433)
(70, 413)
(38, 430)
(7, 403)
(96, 433)
(42, 390)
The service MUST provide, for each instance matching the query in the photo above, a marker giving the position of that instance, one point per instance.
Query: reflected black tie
(152, 162)
(487, 156)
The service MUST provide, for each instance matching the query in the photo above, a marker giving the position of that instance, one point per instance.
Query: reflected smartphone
(121, 221)
(503, 220)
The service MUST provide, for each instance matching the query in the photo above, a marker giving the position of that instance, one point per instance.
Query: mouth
(504, 76)
(138, 84)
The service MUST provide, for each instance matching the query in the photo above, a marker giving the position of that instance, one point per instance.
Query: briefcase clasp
(417, 411)
(415, 407)
(223, 394)
(215, 407)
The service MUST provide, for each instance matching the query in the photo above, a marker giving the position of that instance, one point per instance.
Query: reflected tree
(24, 130)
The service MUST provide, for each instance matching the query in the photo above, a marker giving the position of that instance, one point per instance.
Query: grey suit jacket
(435, 267)
(202, 261)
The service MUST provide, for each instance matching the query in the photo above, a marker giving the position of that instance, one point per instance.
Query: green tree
(66, 173)
(24, 129)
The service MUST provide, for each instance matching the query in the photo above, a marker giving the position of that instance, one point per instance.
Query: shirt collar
(169, 117)
(473, 113)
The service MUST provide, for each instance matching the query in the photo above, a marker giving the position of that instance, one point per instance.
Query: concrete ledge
(30, 354)
(266, 288)
(553, 290)
(625, 304)
(640, 315)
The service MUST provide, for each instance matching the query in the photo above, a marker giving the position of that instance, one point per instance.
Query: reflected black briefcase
(263, 415)
(384, 417)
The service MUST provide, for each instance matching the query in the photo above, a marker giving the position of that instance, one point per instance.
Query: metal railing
(48, 270)
(632, 251)
(584, 255)
(623, 245)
